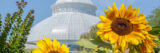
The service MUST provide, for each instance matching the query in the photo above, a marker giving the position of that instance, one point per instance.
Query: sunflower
(123, 27)
(47, 46)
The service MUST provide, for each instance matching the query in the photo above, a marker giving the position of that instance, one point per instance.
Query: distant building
(69, 20)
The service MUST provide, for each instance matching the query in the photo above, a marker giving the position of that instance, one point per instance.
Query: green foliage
(20, 31)
(0, 23)
(134, 51)
(91, 34)
(156, 31)
(28, 50)
(154, 19)
(92, 41)
(5, 31)
(86, 52)
(88, 44)
(17, 28)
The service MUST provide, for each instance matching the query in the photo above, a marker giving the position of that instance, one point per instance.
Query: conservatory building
(70, 19)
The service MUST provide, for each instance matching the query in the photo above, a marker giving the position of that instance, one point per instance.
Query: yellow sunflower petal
(144, 27)
(106, 12)
(139, 20)
(115, 7)
(47, 46)
(48, 42)
(135, 42)
(152, 36)
(141, 17)
(66, 50)
(113, 38)
(122, 10)
(113, 15)
(63, 46)
(104, 19)
(107, 36)
(137, 12)
(134, 39)
(139, 34)
(103, 26)
(130, 7)
(148, 28)
(129, 15)
(119, 40)
(36, 50)
(123, 7)
(110, 8)
(99, 32)
(123, 43)
(42, 45)
(115, 11)
(56, 44)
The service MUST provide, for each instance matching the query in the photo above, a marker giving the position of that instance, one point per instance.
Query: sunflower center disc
(122, 26)
(53, 52)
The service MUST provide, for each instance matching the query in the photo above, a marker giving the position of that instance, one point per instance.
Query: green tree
(154, 19)
(16, 27)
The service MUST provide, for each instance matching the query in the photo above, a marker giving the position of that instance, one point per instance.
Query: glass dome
(67, 23)
(63, 26)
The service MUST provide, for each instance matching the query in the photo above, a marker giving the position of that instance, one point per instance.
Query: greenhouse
(70, 19)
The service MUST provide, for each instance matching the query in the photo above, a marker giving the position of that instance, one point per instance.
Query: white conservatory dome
(69, 20)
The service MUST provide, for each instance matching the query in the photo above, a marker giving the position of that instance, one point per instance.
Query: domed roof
(70, 19)
(63, 26)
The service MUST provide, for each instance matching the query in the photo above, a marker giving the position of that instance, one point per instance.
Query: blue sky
(43, 10)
